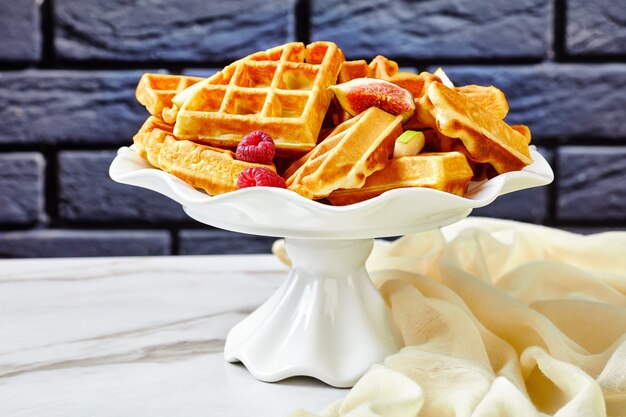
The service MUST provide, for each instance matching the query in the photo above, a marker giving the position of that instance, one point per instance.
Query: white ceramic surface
(327, 320)
(283, 213)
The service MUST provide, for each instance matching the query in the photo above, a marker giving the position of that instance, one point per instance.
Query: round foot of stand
(327, 320)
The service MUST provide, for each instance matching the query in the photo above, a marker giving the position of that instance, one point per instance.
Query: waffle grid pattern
(280, 91)
(156, 91)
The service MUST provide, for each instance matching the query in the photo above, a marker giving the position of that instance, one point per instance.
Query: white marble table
(137, 337)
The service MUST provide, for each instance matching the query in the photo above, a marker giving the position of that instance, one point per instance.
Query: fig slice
(359, 94)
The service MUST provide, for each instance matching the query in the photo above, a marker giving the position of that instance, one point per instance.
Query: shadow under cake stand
(327, 320)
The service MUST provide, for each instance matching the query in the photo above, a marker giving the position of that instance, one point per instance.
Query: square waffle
(211, 169)
(487, 138)
(447, 171)
(356, 149)
(156, 91)
(282, 91)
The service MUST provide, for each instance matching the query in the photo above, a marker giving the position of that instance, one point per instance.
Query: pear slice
(444, 77)
(409, 143)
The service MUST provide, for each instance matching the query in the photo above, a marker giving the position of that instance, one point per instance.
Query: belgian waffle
(380, 67)
(524, 131)
(448, 172)
(491, 98)
(282, 91)
(330, 141)
(211, 169)
(486, 137)
(156, 91)
(355, 150)
(353, 69)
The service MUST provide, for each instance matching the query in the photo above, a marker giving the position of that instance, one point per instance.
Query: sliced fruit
(410, 143)
(360, 94)
(444, 78)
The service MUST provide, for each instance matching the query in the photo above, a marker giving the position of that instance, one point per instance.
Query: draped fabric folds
(498, 318)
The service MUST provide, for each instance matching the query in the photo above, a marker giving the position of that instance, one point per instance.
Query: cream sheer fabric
(499, 319)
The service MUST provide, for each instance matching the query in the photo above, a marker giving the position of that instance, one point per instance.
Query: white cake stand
(327, 320)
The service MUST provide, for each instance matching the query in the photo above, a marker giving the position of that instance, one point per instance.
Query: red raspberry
(260, 177)
(256, 147)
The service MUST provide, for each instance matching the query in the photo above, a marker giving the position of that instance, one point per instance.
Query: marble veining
(137, 336)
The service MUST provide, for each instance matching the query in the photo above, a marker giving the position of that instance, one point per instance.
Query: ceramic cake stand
(327, 320)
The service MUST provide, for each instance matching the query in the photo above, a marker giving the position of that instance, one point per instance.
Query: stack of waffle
(324, 152)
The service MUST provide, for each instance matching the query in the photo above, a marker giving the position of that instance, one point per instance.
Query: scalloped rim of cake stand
(283, 213)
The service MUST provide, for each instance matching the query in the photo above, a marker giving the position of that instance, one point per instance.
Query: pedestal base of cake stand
(327, 320)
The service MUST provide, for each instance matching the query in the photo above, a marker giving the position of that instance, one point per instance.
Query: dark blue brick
(71, 243)
(87, 194)
(162, 30)
(53, 107)
(527, 205)
(434, 29)
(564, 100)
(591, 184)
(595, 27)
(19, 31)
(217, 242)
(21, 188)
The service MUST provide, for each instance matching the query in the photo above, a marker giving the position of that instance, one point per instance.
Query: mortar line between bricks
(559, 29)
(177, 67)
(302, 23)
(130, 224)
(99, 65)
(18, 147)
(51, 186)
(47, 33)
(541, 142)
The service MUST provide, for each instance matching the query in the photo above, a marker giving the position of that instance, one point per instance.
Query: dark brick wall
(68, 70)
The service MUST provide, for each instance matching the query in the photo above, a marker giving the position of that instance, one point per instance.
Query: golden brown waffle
(486, 137)
(481, 171)
(357, 148)
(423, 106)
(211, 169)
(330, 141)
(292, 52)
(490, 98)
(352, 69)
(155, 91)
(524, 130)
(282, 91)
(153, 126)
(447, 171)
(382, 68)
